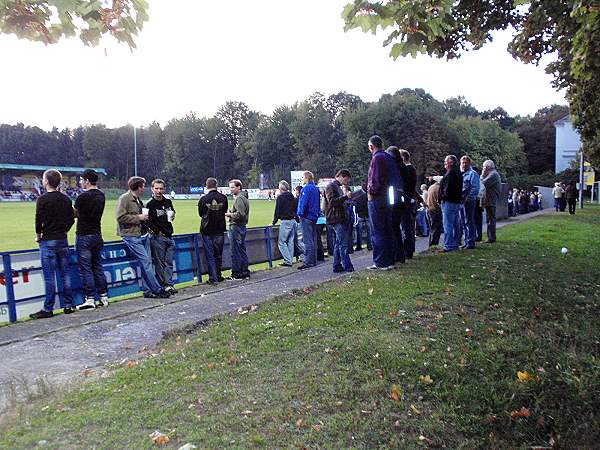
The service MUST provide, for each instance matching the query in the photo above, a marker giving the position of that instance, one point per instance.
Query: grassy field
(492, 348)
(17, 221)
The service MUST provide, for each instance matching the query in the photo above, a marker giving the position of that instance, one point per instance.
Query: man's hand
(38, 238)
(227, 214)
(143, 217)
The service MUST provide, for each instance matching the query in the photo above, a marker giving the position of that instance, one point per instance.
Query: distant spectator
(308, 210)
(286, 213)
(212, 207)
(572, 194)
(490, 178)
(451, 196)
(337, 217)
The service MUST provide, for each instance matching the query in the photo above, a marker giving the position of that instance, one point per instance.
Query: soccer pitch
(17, 221)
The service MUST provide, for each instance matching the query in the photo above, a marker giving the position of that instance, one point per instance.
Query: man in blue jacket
(470, 190)
(309, 208)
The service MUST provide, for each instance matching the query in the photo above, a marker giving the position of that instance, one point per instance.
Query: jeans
(450, 219)
(55, 258)
(408, 230)
(330, 240)
(469, 226)
(422, 224)
(239, 257)
(298, 243)
(287, 233)
(397, 234)
(139, 247)
(478, 222)
(435, 219)
(163, 249)
(341, 259)
(89, 261)
(490, 216)
(309, 235)
(213, 251)
(361, 227)
(380, 219)
(320, 249)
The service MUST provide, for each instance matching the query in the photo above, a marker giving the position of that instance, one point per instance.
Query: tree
(447, 28)
(459, 107)
(49, 21)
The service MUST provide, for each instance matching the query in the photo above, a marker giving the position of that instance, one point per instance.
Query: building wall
(568, 143)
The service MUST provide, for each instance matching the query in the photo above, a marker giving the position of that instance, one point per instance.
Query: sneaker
(171, 290)
(304, 266)
(212, 282)
(42, 314)
(69, 310)
(284, 264)
(163, 294)
(150, 295)
(88, 304)
(376, 267)
(236, 277)
(103, 300)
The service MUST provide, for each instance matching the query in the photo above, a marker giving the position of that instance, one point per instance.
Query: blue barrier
(23, 281)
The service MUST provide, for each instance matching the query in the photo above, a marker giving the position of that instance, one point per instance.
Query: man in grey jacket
(490, 178)
(238, 219)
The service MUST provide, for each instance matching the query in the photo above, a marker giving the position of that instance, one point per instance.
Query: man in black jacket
(451, 196)
(212, 208)
(54, 217)
(336, 214)
(161, 214)
(285, 210)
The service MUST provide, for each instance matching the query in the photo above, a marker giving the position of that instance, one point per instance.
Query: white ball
(564, 250)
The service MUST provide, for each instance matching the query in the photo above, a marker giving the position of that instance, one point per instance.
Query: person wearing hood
(238, 219)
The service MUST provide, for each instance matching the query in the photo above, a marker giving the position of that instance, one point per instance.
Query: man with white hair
(490, 178)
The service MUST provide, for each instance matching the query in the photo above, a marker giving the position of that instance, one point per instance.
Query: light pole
(134, 151)
(581, 179)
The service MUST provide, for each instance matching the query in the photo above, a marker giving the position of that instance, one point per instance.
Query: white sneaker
(88, 304)
(103, 301)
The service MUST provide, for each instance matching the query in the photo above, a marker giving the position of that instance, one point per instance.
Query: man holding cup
(160, 222)
(132, 226)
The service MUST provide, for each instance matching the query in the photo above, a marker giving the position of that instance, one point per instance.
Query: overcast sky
(194, 55)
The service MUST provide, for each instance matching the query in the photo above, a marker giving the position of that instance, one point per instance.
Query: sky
(194, 55)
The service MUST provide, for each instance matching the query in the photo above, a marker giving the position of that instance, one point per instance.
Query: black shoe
(149, 295)
(163, 294)
(42, 314)
(171, 290)
(68, 310)
(212, 282)
(220, 279)
(304, 266)
(338, 270)
(236, 277)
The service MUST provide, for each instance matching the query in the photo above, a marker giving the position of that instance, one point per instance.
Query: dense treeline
(322, 133)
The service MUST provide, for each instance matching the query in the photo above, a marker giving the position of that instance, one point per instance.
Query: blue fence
(22, 283)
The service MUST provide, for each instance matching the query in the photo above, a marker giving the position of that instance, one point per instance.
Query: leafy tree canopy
(569, 29)
(49, 21)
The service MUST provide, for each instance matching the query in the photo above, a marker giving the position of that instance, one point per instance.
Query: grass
(424, 356)
(17, 221)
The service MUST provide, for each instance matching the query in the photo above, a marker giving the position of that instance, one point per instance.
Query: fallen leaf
(370, 306)
(524, 377)
(316, 427)
(178, 340)
(425, 379)
(491, 418)
(415, 410)
(523, 412)
(158, 438)
(132, 364)
(211, 366)
(396, 393)
(87, 372)
(370, 291)
(246, 412)
(445, 276)
(419, 303)
(194, 376)
(468, 333)
(187, 447)
(397, 423)
(299, 423)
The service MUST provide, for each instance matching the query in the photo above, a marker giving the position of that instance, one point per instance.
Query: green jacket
(128, 222)
(240, 210)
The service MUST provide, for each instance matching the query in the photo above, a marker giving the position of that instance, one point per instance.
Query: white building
(568, 143)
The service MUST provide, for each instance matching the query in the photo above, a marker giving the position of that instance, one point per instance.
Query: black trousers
(435, 222)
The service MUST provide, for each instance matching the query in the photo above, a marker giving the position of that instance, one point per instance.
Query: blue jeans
(422, 221)
(163, 249)
(285, 242)
(397, 234)
(361, 227)
(309, 235)
(408, 230)
(380, 219)
(451, 213)
(55, 258)
(139, 248)
(469, 226)
(213, 251)
(239, 257)
(341, 259)
(89, 261)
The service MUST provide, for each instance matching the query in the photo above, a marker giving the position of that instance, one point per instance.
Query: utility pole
(581, 180)
(134, 152)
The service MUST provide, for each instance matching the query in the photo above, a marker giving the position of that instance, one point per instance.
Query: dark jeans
(361, 227)
(397, 234)
(469, 227)
(139, 248)
(350, 237)
(320, 250)
(490, 215)
(213, 251)
(89, 261)
(55, 260)
(239, 257)
(163, 249)
(341, 259)
(435, 222)
(572, 203)
(408, 230)
(380, 219)
(330, 240)
(309, 236)
(478, 222)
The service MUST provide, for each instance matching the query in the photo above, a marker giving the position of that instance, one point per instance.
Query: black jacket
(362, 209)
(285, 207)
(211, 209)
(335, 209)
(451, 186)
(157, 216)
(54, 216)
